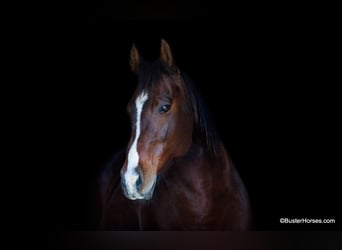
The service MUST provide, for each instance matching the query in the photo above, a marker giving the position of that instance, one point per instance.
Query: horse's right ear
(166, 54)
(134, 59)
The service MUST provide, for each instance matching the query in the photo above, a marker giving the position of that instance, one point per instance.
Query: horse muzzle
(136, 187)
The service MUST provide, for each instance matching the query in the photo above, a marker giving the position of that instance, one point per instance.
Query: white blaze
(131, 176)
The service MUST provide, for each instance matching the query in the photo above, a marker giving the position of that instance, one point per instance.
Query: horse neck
(196, 168)
(199, 153)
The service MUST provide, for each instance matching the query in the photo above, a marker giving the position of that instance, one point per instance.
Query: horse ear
(166, 54)
(134, 59)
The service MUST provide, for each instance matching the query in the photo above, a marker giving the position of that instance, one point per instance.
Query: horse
(175, 173)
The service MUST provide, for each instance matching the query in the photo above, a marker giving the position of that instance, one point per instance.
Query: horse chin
(139, 196)
(147, 195)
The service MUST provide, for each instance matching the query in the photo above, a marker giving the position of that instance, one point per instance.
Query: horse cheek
(164, 132)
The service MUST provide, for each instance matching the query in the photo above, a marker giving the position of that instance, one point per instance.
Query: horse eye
(164, 108)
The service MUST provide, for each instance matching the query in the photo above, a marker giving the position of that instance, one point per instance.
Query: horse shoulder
(110, 173)
(238, 198)
(229, 203)
(108, 181)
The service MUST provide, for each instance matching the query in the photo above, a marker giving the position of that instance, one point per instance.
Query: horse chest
(180, 209)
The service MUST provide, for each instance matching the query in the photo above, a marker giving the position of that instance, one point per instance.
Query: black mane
(205, 129)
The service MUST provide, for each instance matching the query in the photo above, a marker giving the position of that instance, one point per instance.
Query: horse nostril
(123, 183)
(139, 181)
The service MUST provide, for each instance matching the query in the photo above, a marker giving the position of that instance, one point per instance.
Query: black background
(269, 80)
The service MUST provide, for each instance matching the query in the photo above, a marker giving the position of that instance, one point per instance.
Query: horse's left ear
(134, 59)
(166, 56)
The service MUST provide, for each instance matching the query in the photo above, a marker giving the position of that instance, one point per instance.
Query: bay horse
(175, 173)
